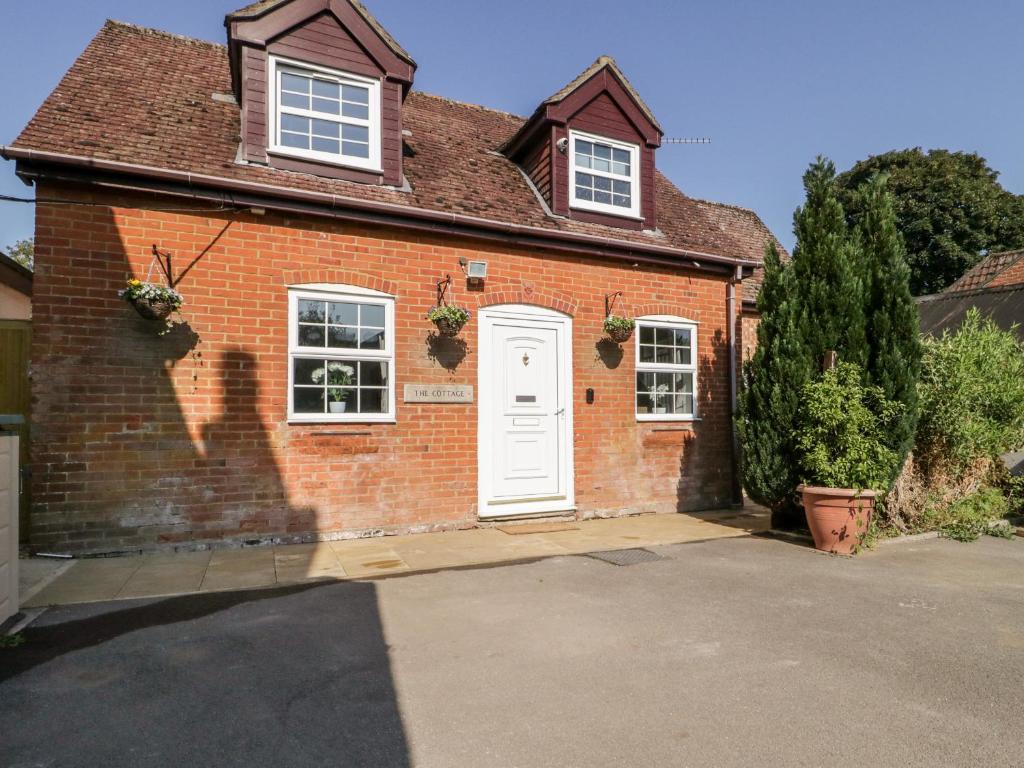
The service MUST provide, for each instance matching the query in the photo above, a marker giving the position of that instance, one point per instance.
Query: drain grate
(626, 556)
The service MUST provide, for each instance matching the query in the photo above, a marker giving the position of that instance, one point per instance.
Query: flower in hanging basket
(449, 320)
(619, 329)
(152, 301)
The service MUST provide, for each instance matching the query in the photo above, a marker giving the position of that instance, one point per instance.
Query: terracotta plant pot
(446, 327)
(619, 335)
(153, 310)
(838, 517)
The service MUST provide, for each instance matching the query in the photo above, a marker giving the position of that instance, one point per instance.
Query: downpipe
(737, 487)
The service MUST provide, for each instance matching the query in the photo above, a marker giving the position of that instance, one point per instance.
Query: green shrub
(970, 517)
(972, 411)
(843, 430)
(972, 393)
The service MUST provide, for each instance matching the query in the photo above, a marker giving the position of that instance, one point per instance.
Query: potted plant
(338, 375)
(843, 445)
(152, 301)
(619, 329)
(448, 319)
(660, 389)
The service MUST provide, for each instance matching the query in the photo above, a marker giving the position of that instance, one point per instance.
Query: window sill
(609, 211)
(316, 422)
(311, 157)
(655, 418)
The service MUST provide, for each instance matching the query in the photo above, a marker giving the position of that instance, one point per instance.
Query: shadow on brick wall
(705, 469)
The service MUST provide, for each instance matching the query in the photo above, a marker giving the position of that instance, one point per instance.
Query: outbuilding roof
(987, 271)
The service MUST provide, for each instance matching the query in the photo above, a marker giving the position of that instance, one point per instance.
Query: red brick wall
(142, 441)
(748, 335)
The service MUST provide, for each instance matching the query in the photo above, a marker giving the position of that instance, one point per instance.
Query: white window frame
(330, 292)
(633, 212)
(673, 322)
(276, 66)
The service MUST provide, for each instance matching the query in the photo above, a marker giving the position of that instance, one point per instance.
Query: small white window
(605, 175)
(666, 369)
(341, 348)
(323, 115)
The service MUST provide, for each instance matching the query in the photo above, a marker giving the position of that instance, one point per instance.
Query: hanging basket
(448, 319)
(151, 301)
(153, 309)
(619, 335)
(448, 327)
(619, 329)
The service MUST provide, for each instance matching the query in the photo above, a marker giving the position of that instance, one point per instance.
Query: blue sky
(772, 82)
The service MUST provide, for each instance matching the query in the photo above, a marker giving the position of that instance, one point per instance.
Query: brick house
(311, 206)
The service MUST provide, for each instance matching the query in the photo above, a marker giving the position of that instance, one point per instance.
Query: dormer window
(605, 175)
(324, 115)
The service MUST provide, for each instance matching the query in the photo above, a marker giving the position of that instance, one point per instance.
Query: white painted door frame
(487, 403)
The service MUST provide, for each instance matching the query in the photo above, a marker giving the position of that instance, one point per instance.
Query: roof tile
(146, 97)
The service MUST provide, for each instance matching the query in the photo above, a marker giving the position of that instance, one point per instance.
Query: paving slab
(240, 569)
(92, 580)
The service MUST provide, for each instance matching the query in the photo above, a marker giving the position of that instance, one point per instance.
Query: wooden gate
(15, 397)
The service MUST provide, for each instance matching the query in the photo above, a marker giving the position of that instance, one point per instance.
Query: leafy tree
(892, 323)
(950, 209)
(23, 252)
(811, 305)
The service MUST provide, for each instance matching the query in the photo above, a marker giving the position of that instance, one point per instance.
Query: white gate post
(9, 489)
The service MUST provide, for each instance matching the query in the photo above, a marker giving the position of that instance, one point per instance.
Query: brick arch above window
(340, 277)
(560, 302)
(664, 308)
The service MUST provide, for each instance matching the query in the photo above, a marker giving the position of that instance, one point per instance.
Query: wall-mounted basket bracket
(609, 302)
(442, 289)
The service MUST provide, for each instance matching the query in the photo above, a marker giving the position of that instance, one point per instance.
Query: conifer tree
(768, 401)
(893, 327)
(828, 272)
(808, 307)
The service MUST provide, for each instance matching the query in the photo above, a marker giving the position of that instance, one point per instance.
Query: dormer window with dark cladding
(321, 86)
(589, 150)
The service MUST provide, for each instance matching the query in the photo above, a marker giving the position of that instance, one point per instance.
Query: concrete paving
(163, 575)
(739, 652)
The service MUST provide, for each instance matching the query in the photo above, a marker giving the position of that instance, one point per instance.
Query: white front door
(525, 411)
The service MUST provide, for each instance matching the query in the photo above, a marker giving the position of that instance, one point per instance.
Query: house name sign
(438, 393)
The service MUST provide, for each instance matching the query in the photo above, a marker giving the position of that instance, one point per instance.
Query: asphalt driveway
(743, 652)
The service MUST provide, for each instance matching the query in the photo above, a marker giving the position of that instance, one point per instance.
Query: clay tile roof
(145, 97)
(986, 271)
(257, 9)
(589, 72)
(751, 236)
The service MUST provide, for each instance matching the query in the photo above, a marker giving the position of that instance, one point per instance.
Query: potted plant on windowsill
(660, 392)
(151, 301)
(338, 375)
(842, 438)
(619, 329)
(448, 319)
